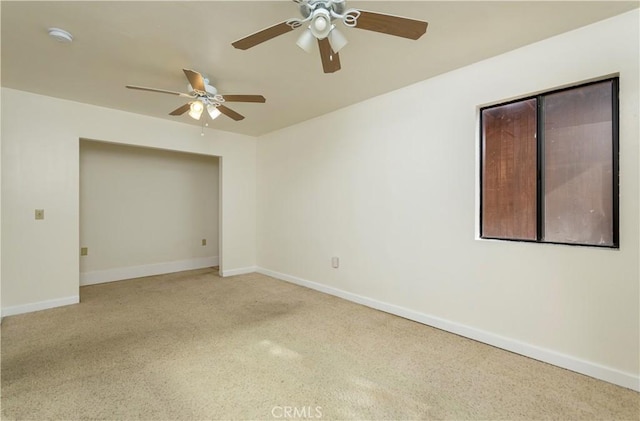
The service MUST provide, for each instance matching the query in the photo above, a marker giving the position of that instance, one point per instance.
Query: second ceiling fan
(320, 15)
(204, 96)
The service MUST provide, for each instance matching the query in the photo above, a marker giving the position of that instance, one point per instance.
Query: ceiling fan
(320, 15)
(204, 96)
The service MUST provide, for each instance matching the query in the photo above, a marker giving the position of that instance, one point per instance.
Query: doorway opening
(146, 211)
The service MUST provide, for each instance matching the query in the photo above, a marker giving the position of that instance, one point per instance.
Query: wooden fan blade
(230, 113)
(262, 36)
(181, 110)
(195, 79)
(330, 60)
(392, 25)
(244, 98)
(162, 91)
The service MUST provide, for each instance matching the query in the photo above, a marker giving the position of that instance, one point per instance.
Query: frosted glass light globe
(320, 23)
(196, 106)
(195, 110)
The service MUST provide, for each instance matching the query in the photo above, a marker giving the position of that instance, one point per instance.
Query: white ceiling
(148, 43)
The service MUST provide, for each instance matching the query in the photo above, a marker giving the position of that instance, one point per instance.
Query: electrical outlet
(39, 213)
(204, 241)
(84, 251)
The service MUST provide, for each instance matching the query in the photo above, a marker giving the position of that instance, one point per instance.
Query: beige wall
(40, 169)
(142, 206)
(390, 185)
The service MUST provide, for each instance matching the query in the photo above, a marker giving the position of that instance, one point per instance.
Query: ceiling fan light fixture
(336, 39)
(321, 23)
(306, 41)
(320, 15)
(213, 111)
(195, 110)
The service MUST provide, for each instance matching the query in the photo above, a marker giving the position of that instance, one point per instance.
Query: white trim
(41, 305)
(569, 362)
(118, 274)
(239, 271)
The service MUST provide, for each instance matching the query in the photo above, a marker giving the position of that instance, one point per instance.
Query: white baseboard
(578, 365)
(41, 305)
(118, 274)
(239, 271)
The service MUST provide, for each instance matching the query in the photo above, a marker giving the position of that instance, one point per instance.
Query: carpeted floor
(194, 346)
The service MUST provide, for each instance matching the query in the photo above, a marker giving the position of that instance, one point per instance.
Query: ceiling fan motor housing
(307, 7)
(208, 88)
(321, 13)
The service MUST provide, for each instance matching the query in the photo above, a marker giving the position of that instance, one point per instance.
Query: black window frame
(615, 151)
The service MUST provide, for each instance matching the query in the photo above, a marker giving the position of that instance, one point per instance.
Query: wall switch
(335, 262)
(204, 241)
(39, 213)
(84, 251)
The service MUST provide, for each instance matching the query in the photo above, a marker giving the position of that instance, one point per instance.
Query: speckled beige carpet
(194, 346)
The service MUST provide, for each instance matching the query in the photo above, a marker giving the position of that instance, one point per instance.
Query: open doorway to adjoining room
(146, 211)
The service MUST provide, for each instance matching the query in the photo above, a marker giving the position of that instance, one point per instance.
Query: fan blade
(162, 91)
(230, 113)
(181, 110)
(262, 36)
(244, 98)
(195, 79)
(392, 25)
(330, 60)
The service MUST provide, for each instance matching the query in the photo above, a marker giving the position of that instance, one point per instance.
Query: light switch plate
(204, 241)
(39, 213)
(84, 251)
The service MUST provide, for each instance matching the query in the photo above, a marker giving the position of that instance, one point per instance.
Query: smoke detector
(60, 35)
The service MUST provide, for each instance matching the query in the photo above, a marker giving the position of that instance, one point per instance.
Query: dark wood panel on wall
(509, 168)
(578, 175)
